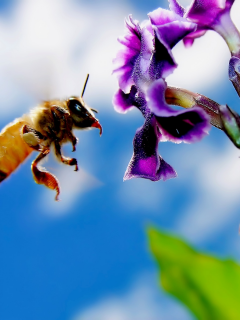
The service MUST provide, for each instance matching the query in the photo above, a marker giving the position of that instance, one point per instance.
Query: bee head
(82, 115)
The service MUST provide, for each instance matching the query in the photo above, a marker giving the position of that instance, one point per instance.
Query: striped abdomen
(13, 149)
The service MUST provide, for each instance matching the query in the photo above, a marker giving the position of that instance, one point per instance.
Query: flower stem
(226, 28)
(187, 99)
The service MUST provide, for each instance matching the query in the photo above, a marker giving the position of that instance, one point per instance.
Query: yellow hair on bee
(13, 149)
(41, 117)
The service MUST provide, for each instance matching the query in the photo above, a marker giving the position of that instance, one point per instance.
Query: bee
(50, 123)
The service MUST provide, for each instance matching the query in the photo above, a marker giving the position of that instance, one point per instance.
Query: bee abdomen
(13, 149)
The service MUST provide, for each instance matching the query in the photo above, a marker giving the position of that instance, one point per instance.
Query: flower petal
(205, 12)
(210, 14)
(170, 27)
(126, 57)
(141, 67)
(124, 101)
(234, 73)
(176, 7)
(177, 126)
(189, 39)
(185, 126)
(155, 97)
(145, 162)
(162, 61)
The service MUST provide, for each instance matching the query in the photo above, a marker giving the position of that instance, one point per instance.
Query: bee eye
(75, 106)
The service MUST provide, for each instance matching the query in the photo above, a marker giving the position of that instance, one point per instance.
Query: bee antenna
(85, 84)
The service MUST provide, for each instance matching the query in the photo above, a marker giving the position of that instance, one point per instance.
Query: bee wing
(13, 149)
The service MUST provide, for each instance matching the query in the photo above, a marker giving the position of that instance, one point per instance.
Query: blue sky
(86, 257)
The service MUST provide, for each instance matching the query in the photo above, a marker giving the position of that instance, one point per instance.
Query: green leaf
(208, 286)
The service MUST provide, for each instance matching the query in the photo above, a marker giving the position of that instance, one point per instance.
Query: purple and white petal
(126, 57)
(122, 102)
(177, 126)
(189, 39)
(154, 61)
(170, 27)
(156, 101)
(162, 62)
(141, 67)
(176, 7)
(187, 126)
(146, 162)
(206, 12)
(210, 15)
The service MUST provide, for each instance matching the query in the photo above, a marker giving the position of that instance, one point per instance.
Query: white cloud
(73, 186)
(235, 13)
(217, 185)
(142, 195)
(202, 66)
(50, 46)
(143, 301)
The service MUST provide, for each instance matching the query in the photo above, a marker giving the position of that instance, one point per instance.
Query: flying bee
(50, 123)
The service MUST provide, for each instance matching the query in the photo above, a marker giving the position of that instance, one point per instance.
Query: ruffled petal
(209, 14)
(176, 126)
(141, 67)
(185, 126)
(170, 27)
(234, 73)
(162, 62)
(154, 61)
(155, 97)
(146, 162)
(176, 7)
(189, 39)
(205, 12)
(126, 57)
(124, 101)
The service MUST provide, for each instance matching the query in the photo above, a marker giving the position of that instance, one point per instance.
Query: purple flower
(141, 67)
(210, 15)
(145, 162)
(146, 53)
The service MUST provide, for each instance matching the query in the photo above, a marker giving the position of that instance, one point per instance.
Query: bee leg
(32, 137)
(62, 119)
(69, 161)
(73, 140)
(42, 176)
